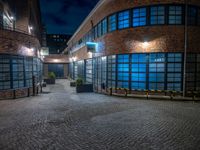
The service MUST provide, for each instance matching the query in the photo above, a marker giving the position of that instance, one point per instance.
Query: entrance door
(58, 69)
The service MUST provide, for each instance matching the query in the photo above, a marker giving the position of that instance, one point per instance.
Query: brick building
(20, 37)
(56, 62)
(139, 45)
(57, 42)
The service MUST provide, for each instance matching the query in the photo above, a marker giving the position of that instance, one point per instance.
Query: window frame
(176, 15)
(139, 17)
(115, 22)
(157, 15)
(123, 20)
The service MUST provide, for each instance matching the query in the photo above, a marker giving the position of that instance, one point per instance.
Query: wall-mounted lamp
(12, 18)
(90, 54)
(145, 44)
(30, 28)
(74, 58)
(55, 60)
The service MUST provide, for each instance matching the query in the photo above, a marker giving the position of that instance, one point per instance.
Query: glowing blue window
(99, 33)
(174, 86)
(123, 71)
(174, 57)
(4, 72)
(95, 32)
(175, 15)
(156, 86)
(122, 84)
(123, 76)
(157, 57)
(138, 77)
(123, 58)
(174, 77)
(174, 67)
(112, 23)
(138, 85)
(123, 67)
(156, 77)
(138, 58)
(156, 67)
(138, 67)
(104, 26)
(123, 20)
(111, 74)
(157, 15)
(139, 17)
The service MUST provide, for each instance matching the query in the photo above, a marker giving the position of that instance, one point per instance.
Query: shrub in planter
(51, 78)
(81, 87)
(51, 75)
(79, 82)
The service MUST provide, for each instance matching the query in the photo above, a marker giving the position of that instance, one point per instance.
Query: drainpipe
(185, 47)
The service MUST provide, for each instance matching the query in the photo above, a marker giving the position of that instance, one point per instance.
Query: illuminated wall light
(32, 49)
(145, 44)
(12, 18)
(90, 54)
(74, 58)
(30, 28)
(104, 58)
(70, 59)
(55, 60)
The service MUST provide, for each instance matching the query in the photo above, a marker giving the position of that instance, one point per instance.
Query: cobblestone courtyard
(62, 119)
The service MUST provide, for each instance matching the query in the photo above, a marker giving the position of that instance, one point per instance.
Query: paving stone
(62, 119)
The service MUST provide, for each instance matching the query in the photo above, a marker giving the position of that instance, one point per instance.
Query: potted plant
(81, 87)
(51, 78)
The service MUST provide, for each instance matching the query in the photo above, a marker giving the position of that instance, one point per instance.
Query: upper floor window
(1, 18)
(157, 15)
(123, 19)
(198, 18)
(112, 23)
(175, 15)
(192, 15)
(99, 30)
(104, 26)
(95, 32)
(139, 17)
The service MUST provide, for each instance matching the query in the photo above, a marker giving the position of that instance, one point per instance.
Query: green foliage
(52, 75)
(79, 81)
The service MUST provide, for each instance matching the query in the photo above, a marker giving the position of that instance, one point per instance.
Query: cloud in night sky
(65, 16)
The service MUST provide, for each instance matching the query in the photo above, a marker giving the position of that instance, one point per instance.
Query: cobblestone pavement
(61, 119)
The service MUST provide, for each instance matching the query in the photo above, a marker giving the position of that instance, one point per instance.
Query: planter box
(50, 81)
(85, 88)
(73, 84)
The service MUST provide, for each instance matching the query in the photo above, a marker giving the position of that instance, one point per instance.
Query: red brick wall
(160, 38)
(11, 42)
(56, 58)
(112, 6)
(18, 93)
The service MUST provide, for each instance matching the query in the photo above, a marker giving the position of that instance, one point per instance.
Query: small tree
(79, 81)
(51, 75)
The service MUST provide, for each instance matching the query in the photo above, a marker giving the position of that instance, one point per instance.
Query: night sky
(65, 16)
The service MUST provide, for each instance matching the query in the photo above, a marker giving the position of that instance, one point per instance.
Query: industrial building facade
(139, 45)
(20, 36)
